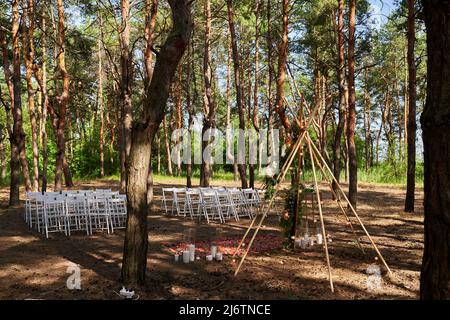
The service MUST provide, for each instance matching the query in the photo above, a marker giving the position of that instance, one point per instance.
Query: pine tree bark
(158, 147)
(136, 238)
(62, 98)
(367, 125)
(14, 197)
(126, 78)
(18, 132)
(435, 121)
(351, 122)
(209, 109)
(281, 76)
(150, 23)
(178, 115)
(239, 92)
(100, 101)
(343, 95)
(229, 137)
(167, 145)
(411, 173)
(41, 77)
(255, 87)
(2, 156)
(28, 57)
(269, 82)
(190, 111)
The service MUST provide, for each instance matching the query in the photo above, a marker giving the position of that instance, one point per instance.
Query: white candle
(186, 256)
(303, 243)
(319, 239)
(213, 251)
(177, 257)
(191, 249)
(219, 256)
(209, 257)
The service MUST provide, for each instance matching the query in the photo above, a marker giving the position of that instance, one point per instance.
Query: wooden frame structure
(316, 159)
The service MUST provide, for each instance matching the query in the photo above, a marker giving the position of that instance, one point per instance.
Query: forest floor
(33, 267)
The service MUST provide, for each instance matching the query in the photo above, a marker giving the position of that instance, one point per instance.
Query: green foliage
(390, 174)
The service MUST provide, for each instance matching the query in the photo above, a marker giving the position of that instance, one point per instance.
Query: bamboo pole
(292, 154)
(268, 207)
(264, 185)
(300, 140)
(339, 203)
(320, 214)
(295, 85)
(297, 199)
(352, 209)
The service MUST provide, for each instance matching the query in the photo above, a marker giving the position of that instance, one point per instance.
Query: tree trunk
(67, 174)
(28, 57)
(159, 153)
(352, 160)
(239, 92)
(2, 157)
(209, 109)
(167, 145)
(178, 116)
(62, 98)
(269, 82)
(126, 78)
(367, 125)
(14, 197)
(435, 121)
(380, 130)
(44, 104)
(255, 87)
(19, 134)
(150, 23)
(282, 59)
(343, 95)
(229, 136)
(405, 104)
(190, 112)
(136, 238)
(100, 102)
(399, 119)
(136, 242)
(411, 180)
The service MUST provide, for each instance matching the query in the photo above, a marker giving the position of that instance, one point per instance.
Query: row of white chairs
(75, 210)
(214, 203)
